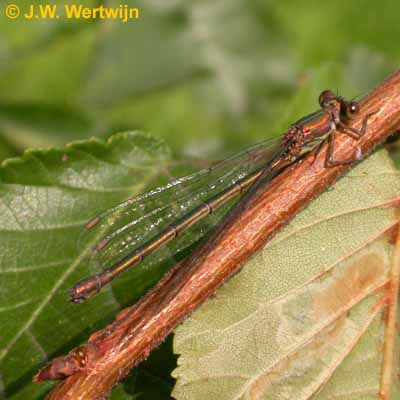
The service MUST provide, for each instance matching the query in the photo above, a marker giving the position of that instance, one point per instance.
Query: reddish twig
(113, 351)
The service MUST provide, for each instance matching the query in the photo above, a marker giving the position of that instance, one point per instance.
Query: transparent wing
(118, 231)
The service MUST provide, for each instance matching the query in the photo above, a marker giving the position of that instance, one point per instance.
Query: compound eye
(326, 97)
(352, 109)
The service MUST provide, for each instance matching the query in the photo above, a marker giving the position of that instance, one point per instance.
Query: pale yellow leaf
(305, 317)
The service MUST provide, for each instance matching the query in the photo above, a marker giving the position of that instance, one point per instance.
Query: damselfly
(140, 226)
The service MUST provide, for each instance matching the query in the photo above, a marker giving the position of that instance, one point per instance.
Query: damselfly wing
(116, 233)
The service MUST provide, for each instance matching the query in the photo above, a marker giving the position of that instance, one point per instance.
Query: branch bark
(112, 352)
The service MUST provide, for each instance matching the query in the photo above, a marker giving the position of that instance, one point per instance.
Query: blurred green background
(208, 76)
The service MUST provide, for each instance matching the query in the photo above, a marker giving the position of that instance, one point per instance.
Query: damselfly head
(328, 99)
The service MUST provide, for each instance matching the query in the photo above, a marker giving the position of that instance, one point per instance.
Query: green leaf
(51, 74)
(180, 40)
(152, 380)
(22, 36)
(188, 66)
(7, 149)
(35, 125)
(346, 25)
(47, 196)
(305, 316)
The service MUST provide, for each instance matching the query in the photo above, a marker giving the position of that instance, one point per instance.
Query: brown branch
(112, 352)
